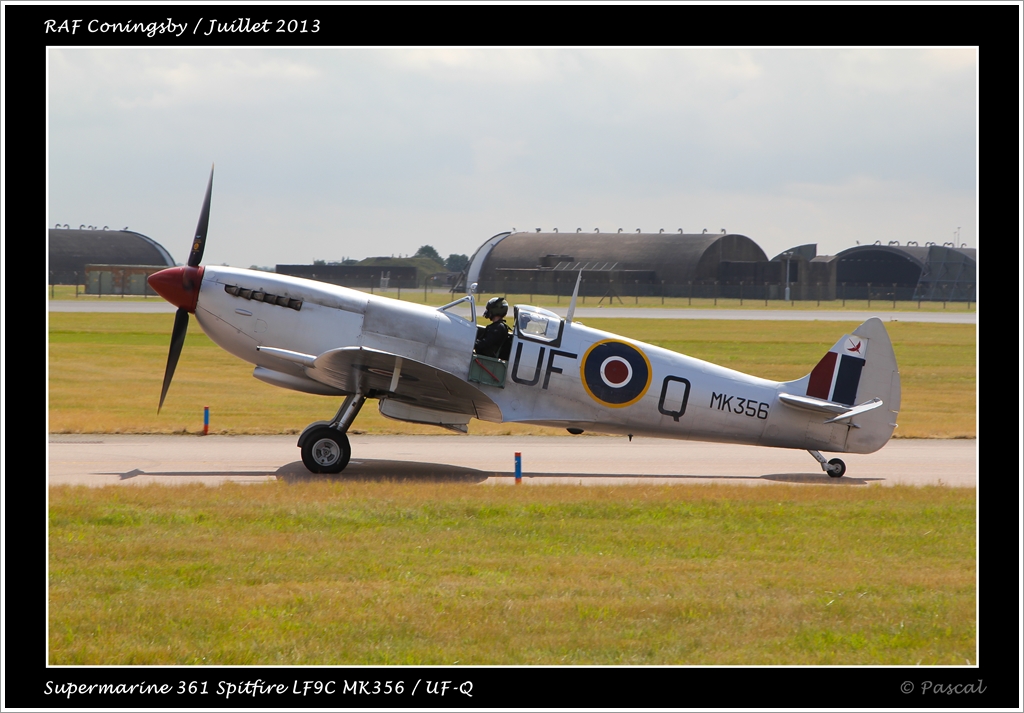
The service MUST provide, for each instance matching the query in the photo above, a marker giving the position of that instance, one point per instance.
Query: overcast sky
(332, 153)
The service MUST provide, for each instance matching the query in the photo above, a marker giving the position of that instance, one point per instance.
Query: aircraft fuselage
(562, 375)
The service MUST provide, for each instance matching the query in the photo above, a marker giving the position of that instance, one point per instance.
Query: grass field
(403, 573)
(105, 372)
(378, 573)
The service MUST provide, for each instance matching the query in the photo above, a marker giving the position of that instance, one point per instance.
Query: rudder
(859, 367)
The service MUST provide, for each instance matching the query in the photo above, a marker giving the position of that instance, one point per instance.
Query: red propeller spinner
(178, 285)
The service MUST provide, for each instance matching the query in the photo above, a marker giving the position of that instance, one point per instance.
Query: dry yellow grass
(105, 373)
(437, 297)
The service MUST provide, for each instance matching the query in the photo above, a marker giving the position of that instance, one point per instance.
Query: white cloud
(129, 79)
(317, 149)
(492, 154)
(474, 65)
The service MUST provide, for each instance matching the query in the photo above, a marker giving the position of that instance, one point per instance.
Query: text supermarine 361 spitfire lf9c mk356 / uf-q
(419, 363)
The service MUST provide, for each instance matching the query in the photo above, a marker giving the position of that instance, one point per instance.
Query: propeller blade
(199, 242)
(177, 341)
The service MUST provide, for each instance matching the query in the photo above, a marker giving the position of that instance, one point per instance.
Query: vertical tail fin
(837, 376)
(859, 367)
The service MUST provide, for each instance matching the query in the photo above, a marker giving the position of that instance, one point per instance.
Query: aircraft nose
(178, 285)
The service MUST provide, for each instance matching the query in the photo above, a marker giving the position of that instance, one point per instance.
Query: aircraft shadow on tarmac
(401, 471)
(186, 473)
(369, 470)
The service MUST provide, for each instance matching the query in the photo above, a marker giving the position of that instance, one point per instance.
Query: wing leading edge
(360, 369)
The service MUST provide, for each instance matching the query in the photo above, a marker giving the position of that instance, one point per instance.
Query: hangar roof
(675, 257)
(71, 250)
(920, 255)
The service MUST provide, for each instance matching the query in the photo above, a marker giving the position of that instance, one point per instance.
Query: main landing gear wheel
(838, 468)
(326, 450)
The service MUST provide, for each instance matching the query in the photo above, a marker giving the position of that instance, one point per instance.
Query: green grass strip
(386, 573)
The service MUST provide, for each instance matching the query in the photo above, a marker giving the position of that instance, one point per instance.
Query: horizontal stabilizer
(838, 411)
(857, 410)
(809, 403)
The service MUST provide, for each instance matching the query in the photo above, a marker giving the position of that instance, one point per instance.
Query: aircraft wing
(355, 369)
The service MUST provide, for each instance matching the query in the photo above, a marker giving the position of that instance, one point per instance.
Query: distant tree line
(454, 263)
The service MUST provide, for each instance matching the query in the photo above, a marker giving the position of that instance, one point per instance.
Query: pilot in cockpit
(492, 338)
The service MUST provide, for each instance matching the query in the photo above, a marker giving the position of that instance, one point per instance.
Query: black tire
(842, 468)
(326, 450)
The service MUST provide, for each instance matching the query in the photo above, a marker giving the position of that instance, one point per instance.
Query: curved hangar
(71, 250)
(623, 263)
(929, 272)
(894, 271)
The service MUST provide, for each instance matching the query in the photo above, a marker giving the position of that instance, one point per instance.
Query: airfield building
(621, 264)
(105, 261)
(723, 264)
(358, 276)
(903, 272)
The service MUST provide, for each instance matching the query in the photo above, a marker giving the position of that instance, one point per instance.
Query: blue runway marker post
(519, 469)
(206, 420)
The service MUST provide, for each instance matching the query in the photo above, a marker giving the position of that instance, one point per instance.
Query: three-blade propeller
(199, 242)
(177, 341)
(180, 286)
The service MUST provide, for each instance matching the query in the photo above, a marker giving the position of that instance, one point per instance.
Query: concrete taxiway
(587, 460)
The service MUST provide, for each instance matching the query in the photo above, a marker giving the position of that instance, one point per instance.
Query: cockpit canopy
(538, 325)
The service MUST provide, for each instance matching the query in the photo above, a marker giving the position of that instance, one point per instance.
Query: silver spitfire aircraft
(420, 365)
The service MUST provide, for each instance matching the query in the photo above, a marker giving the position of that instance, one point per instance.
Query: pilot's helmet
(496, 307)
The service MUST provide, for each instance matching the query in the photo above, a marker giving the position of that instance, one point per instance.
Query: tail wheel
(838, 468)
(326, 450)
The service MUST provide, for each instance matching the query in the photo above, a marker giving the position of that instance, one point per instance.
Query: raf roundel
(615, 373)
